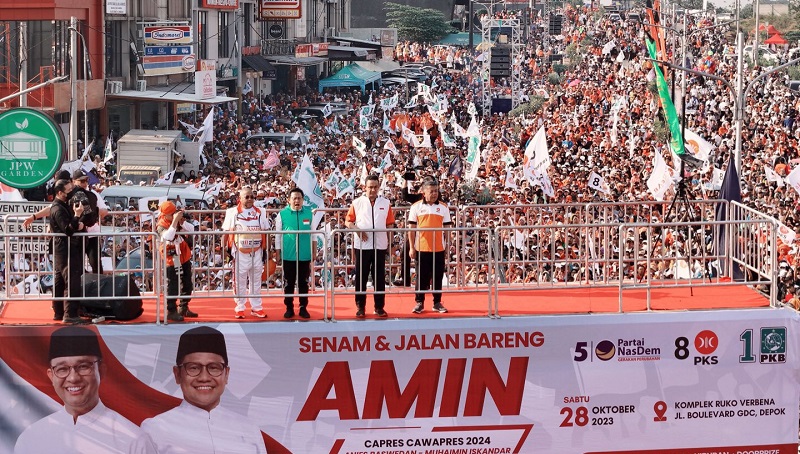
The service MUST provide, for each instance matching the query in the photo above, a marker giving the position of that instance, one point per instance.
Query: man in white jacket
(247, 248)
(370, 211)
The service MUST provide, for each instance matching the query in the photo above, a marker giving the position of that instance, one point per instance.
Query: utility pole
(73, 98)
(23, 62)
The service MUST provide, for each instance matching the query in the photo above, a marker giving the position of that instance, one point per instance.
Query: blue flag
(731, 192)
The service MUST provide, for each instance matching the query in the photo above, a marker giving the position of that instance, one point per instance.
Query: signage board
(17, 212)
(276, 31)
(220, 4)
(159, 35)
(117, 7)
(205, 84)
(657, 383)
(280, 9)
(31, 148)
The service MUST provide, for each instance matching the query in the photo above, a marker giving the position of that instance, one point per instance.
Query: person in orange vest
(176, 252)
(247, 250)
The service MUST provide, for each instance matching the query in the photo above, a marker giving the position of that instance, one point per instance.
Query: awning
(295, 61)
(257, 62)
(358, 42)
(175, 95)
(346, 53)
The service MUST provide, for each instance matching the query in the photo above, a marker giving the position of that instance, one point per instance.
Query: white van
(126, 198)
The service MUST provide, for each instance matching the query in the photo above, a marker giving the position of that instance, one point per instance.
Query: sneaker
(239, 314)
(67, 320)
(174, 316)
(418, 308)
(360, 313)
(289, 313)
(381, 313)
(438, 307)
(259, 313)
(304, 313)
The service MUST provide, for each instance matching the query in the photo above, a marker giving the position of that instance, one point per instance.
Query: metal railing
(523, 248)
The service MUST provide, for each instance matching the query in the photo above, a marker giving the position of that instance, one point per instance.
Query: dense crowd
(582, 135)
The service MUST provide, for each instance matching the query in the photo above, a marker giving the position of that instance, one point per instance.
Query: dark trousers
(295, 272)
(406, 265)
(67, 269)
(179, 282)
(430, 266)
(370, 260)
(94, 254)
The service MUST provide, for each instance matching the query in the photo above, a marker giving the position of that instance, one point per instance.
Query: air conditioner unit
(113, 87)
(141, 85)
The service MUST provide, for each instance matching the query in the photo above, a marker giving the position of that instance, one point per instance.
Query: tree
(425, 25)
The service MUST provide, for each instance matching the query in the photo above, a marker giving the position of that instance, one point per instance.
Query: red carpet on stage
(470, 303)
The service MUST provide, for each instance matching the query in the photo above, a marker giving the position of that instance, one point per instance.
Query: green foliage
(794, 72)
(417, 24)
(792, 36)
(652, 87)
(532, 107)
(553, 78)
(746, 12)
(559, 68)
(661, 130)
(571, 51)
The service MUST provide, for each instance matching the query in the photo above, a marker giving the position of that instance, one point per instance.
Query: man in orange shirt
(428, 248)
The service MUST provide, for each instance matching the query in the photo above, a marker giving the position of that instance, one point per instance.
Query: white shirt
(100, 430)
(190, 429)
(252, 219)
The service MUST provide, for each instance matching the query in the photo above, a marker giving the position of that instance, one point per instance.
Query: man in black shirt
(90, 218)
(67, 253)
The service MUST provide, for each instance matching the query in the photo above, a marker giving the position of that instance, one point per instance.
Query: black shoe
(438, 307)
(360, 313)
(174, 316)
(58, 317)
(185, 312)
(418, 308)
(381, 313)
(303, 313)
(289, 313)
(67, 320)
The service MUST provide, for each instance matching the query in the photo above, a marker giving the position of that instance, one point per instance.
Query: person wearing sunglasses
(85, 424)
(67, 251)
(246, 246)
(200, 423)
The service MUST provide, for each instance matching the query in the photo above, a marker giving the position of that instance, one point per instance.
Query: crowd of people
(601, 117)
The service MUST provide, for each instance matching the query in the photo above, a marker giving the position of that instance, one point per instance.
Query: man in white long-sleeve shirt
(199, 424)
(84, 424)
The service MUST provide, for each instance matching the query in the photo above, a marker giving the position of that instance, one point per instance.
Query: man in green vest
(297, 251)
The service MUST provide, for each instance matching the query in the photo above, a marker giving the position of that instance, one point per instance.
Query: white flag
(360, 146)
(609, 46)
(510, 183)
(457, 129)
(473, 160)
(344, 186)
(29, 286)
(597, 183)
(387, 125)
(389, 146)
(248, 87)
(190, 129)
(166, 178)
(717, 176)
(660, 180)
(363, 178)
(785, 233)
(448, 141)
(536, 153)
(794, 179)
(473, 129)
(327, 110)
(149, 205)
(772, 176)
(207, 128)
(697, 146)
(108, 154)
(426, 139)
(541, 178)
(308, 182)
(385, 163)
(412, 103)
(471, 109)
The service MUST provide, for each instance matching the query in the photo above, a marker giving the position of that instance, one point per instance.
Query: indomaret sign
(31, 148)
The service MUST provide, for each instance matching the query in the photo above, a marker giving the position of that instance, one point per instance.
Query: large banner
(700, 382)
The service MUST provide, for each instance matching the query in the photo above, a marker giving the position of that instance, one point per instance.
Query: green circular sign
(31, 148)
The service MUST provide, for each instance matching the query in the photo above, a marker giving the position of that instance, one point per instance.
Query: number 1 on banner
(747, 339)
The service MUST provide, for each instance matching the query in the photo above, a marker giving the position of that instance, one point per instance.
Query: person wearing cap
(75, 368)
(65, 221)
(297, 250)
(370, 211)
(247, 250)
(200, 423)
(177, 255)
(428, 248)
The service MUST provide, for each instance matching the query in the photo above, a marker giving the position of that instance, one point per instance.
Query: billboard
(701, 382)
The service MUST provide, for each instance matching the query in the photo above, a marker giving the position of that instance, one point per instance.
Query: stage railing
(554, 250)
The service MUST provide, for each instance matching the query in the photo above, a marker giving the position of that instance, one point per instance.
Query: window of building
(116, 48)
(202, 35)
(248, 24)
(223, 38)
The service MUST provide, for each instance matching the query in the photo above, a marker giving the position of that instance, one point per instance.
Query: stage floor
(472, 302)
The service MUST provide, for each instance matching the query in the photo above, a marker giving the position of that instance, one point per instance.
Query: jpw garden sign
(31, 148)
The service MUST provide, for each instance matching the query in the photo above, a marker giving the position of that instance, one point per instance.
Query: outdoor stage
(574, 299)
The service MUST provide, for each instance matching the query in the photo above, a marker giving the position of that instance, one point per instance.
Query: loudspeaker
(113, 292)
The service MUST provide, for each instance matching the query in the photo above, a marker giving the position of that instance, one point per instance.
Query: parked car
(316, 111)
(398, 81)
(133, 261)
(427, 69)
(764, 52)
